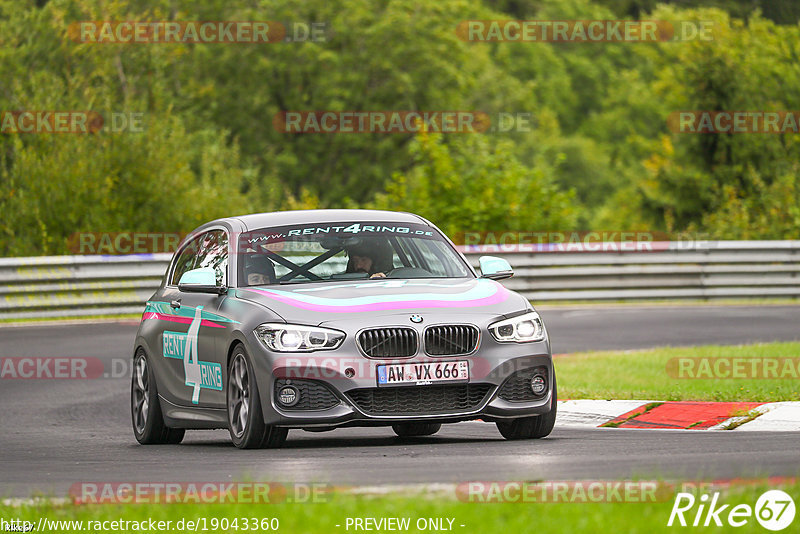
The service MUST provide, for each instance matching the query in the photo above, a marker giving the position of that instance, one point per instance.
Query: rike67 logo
(774, 510)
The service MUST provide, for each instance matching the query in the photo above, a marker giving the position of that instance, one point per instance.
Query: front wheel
(245, 418)
(148, 422)
(535, 427)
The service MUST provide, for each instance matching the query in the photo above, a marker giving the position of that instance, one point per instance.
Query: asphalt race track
(54, 433)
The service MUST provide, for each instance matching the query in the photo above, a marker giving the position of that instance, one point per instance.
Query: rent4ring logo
(183, 346)
(774, 510)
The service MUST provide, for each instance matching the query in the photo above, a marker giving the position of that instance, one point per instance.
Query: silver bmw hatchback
(323, 319)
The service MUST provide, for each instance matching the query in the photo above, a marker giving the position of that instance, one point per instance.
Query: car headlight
(282, 337)
(521, 329)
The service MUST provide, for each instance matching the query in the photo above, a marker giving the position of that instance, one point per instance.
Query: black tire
(538, 426)
(146, 417)
(409, 430)
(245, 417)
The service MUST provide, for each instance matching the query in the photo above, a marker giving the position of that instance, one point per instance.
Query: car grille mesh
(313, 395)
(422, 400)
(392, 342)
(517, 387)
(450, 340)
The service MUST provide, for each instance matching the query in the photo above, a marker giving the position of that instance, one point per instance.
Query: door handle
(175, 303)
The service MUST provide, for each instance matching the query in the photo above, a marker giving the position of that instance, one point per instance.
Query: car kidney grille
(313, 395)
(450, 340)
(420, 400)
(395, 342)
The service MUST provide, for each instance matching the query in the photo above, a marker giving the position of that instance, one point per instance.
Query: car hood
(316, 303)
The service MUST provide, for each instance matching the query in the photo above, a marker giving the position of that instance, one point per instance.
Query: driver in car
(259, 270)
(373, 258)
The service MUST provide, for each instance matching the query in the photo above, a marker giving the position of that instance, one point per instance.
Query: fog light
(288, 396)
(538, 384)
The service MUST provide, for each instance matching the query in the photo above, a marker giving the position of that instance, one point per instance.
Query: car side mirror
(495, 268)
(202, 280)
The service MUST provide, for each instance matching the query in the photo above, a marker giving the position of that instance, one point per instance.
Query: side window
(214, 254)
(186, 260)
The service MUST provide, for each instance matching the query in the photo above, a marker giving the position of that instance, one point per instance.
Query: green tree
(469, 185)
(690, 177)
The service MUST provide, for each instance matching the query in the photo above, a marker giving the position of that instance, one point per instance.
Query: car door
(192, 341)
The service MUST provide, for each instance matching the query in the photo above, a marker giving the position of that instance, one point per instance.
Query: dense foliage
(599, 153)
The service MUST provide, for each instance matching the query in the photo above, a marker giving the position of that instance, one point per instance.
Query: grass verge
(467, 517)
(72, 319)
(644, 374)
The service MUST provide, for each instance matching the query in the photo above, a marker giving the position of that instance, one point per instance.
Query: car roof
(255, 221)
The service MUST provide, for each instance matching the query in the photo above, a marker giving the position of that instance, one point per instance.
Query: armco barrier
(60, 286)
(56, 286)
(706, 270)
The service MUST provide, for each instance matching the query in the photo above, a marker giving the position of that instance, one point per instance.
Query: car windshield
(346, 251)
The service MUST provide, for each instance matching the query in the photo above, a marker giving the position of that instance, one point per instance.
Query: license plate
(421, 374)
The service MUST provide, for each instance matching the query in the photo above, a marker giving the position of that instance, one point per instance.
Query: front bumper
(349, 376)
